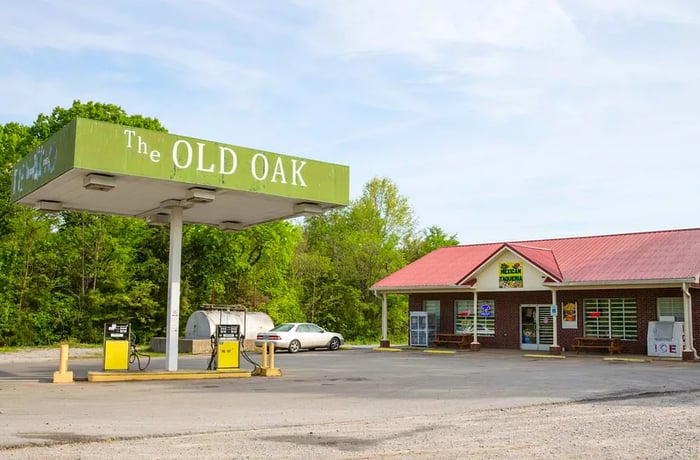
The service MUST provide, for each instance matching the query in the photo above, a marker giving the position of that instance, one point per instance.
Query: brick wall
(507, 317)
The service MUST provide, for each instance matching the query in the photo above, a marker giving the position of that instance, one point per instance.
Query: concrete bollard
(264, 355)
(63, 375)
(268, 369)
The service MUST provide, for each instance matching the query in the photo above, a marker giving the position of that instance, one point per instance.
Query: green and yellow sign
(124, 151)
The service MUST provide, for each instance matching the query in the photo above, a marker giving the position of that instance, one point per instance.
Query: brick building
(544, 294)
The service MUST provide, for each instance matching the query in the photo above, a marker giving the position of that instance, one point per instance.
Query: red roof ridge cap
(530, 247)
(648, 232)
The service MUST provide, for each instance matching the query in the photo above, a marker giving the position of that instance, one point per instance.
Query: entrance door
(536, 331)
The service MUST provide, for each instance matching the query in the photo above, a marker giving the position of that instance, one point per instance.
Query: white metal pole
(173, 322)
(554, 318)
(384, 314)
(476, 339)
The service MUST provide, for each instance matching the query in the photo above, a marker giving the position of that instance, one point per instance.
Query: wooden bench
(598, 343)
(461, 340)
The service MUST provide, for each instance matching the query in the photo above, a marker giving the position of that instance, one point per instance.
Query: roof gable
(541, 259)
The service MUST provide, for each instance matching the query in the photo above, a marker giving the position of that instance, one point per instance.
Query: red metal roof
(634, 257)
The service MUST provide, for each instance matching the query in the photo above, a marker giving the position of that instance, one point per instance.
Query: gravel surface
(312, 414)
(46, 354)
(664, 427)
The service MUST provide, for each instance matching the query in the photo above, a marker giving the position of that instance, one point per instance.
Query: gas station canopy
(111, 169)
(169, 179)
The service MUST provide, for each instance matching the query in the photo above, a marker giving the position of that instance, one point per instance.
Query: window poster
(510, 275)
(569, 318)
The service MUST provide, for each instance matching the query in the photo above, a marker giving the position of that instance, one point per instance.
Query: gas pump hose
(256, 367)
(214, 350)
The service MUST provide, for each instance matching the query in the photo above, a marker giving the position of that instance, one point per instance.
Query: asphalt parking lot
(362, 387)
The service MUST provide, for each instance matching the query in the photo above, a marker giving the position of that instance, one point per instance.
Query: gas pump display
(227, 346)
(116, 346)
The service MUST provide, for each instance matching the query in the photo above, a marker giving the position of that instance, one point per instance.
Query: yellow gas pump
(116, 346)
(228, 346)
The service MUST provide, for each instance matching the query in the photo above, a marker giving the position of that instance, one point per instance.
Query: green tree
(98, 261)
(22, 235)
(249, 268)
(427, 241)
(348, 250)
(47, 125)
(68, 272)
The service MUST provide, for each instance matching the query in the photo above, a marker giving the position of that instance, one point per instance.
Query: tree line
(64, 275)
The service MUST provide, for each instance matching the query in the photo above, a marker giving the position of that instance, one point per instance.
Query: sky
(498, 121)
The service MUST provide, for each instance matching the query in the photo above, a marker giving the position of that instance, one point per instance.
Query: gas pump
(226, 347)
(116, 346)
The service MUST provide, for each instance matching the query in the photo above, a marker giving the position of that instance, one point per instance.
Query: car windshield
(286, 327)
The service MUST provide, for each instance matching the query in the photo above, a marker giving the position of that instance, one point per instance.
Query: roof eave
(416, 289)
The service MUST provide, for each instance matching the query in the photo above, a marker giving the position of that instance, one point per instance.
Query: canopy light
(49, 206)
(158, 219)
(174, 203)
(200, 195)
(99, 182)
(231, 226)
(307, 209)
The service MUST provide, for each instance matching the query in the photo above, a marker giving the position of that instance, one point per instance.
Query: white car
(295, 336)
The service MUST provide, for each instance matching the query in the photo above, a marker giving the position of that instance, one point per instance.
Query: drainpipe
(688, 348)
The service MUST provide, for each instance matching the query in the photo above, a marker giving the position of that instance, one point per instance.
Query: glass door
(432, 309)
(536, 326)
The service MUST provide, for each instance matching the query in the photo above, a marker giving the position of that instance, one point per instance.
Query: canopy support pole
(173, 324)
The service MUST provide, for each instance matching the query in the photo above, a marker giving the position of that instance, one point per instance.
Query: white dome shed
(202, 323)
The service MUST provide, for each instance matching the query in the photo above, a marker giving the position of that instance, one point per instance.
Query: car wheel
(335, 343)
(294, 346)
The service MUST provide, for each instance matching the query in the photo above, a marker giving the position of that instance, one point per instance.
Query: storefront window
(610, 318)
(485, 319)
(671, 306)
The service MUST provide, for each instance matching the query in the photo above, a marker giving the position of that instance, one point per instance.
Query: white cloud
(425, 30)
(498, 120)
(641, 11)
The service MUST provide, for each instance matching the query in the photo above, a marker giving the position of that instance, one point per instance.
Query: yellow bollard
(264, 355)
(63, 375)
(265, 370)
